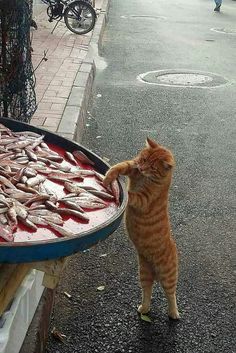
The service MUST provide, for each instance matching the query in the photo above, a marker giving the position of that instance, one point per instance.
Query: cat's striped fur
(147, 220)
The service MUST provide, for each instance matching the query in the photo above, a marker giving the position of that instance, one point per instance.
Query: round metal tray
(21, 252)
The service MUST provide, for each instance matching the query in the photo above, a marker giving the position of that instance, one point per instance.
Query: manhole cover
(182, 78)
(144, 16)
(224, 30)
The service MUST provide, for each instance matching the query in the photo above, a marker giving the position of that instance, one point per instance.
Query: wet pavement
(198, 124)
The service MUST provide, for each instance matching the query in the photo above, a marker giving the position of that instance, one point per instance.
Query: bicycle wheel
(79, 17)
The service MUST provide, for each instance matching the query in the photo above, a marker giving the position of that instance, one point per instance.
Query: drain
(182, 78)
(224, 30)
(144, 17)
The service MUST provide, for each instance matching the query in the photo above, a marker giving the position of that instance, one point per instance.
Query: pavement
(64, 80)
(198, 124)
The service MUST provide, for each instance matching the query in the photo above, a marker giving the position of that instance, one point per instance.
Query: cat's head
(155, 161)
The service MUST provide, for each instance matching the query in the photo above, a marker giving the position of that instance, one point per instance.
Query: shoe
(217, 8)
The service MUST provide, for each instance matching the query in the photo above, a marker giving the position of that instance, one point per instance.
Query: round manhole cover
(138, 17)
(225, 30)
(182, 78)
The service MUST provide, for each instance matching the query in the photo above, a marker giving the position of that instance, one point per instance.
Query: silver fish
(75, 213)
(61, 230)
(30, 172)
(31, 155)
(102, 194)
(73, 205)
(37, 220)
(27, 222)
(35, 180)
(81, 157)
(3, 219)
(63, 168)
(21, 211)
(25, 188)
(70, 157)
(6, 182)
(6, 233)
(71, 187)
(12, 215)
(90, 204)
(115, 191)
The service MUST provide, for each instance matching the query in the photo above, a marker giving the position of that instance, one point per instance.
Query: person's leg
(218, 5)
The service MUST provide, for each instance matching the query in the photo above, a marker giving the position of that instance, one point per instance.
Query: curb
(73, 118)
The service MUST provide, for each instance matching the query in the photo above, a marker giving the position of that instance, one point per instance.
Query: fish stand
(52, 204)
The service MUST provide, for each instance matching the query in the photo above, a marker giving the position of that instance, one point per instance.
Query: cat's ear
(151, 143)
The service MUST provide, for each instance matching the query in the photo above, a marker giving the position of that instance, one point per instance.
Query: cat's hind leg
(146, 276)
(172, 305)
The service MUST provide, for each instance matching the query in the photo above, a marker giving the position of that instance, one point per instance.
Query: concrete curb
(73, 118)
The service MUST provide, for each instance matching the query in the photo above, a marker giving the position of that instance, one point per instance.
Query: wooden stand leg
(52, 270)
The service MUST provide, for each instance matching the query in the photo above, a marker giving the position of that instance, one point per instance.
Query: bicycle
(79, 15)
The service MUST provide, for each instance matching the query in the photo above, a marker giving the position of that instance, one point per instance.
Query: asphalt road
(199, 126)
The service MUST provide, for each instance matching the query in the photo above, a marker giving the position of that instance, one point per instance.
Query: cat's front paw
(143, 309)
(109, 177)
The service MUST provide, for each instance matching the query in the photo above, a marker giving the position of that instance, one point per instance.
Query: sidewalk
(64, 81)
(63, 87)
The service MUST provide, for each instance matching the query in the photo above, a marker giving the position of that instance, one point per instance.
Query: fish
(3, 219)
(73, 205)
(26, 188)
(99, 176)
(50, 205)
(36, 199)
(70, 157)
(92, 205)
(27, 134)
(35, 180)
(31, 155)
(64, 176)
(6, 182)
(6, 233)
(81, 157)
(61, 230)
(18, 144)
(37, 220)
(29, 172)
(3, 210)
(75, 213)
(115, 191)
(24, 179)
(21, 211)
(63, 168)
(102, 194)
(54, 219)
(44, 145)
(87, 172)
(71, 187)
(12, 215)
(27, 222)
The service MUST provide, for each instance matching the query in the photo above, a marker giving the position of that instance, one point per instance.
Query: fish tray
(48, 249)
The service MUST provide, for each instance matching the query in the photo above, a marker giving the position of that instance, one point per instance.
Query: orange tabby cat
(147, 220)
